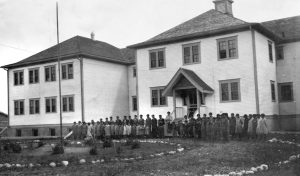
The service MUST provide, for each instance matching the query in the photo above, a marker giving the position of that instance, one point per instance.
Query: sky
(29, 26)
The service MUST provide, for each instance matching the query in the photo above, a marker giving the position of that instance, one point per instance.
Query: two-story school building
(214, 62)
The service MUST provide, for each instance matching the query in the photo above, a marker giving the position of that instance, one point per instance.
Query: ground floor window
(68, 103)
(156, 97)
(18, 132)
(285, 92)
(230, 90)
(134, 103)
(19, 107)
(35, 132)
(52, 132)
(273, 91)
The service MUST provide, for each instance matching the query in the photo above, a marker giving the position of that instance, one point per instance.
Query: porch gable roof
(192, 77)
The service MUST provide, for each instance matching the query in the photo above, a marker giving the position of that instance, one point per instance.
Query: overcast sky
(29, 26)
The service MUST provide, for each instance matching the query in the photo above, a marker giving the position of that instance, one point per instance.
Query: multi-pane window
(35, 132)
(156, 97)
(270, 47)
(279, 53)
(50, 104)
(18, 77)
(273, 91)
(227, 48)
(285, 92)
(191, 53)
(134, 103)
(157, 58)
(68, 103)
(19, 107)
(67, 71)
(50, 73)
(134, 71)
(34, 106)
(18, 132)
(34, 76)
(52, 131)
(230, 90)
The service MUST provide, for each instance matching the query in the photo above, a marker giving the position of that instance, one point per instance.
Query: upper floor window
(285, 92)
(134, 71)
(67, 71)
(34, 76)
(273, 91)
(18, 77)
(191, 53)
(19, 107)
(279, 53)
(230, 90)
(50, 104)
(156, 97)
(157, 58)
(227, 48)
(68, 103)
(134, 103)
(270, 47)
(34, 106)
(50, 73)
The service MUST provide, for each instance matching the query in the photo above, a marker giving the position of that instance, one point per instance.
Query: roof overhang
(193, 78)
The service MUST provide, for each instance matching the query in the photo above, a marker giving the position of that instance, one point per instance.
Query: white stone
(249, 172)
(180, 149)
(102, 160)
(93, 162)
(98, 161)
(7, 165)
(232, 174)
(265, 167)
(292, 158)
(78, 142)
(18, 165)
(65, 163)
(52, 164)
(82, 161)
(31, 165)
(254, 169)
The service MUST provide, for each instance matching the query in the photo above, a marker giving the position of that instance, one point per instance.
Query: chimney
(93, 36)
(224, 6)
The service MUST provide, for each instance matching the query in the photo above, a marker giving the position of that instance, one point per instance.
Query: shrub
(58, 149)
(135, 145)
(16, 148)
(94, 151)
(107, 143)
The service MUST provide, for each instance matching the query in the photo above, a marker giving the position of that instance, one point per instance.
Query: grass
(200, 158)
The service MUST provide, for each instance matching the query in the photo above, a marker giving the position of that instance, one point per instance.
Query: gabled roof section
(288, 29)
(80, 46)
(192, 77)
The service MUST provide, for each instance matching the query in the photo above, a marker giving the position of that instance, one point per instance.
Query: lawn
(198, 158)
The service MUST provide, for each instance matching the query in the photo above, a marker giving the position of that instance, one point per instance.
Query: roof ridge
(297, 16)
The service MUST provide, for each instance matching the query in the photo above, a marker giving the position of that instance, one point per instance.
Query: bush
(135, 145)
(94, 151)
(16, 148)
(107, 143)
(58, 149)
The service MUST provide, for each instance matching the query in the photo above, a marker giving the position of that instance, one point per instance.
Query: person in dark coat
(84, 128)
(203, 127)
(148, 126)
(154, 127)
(232, 127)
(161, 124)
(245, 127)
(75, 130)
(198, 126)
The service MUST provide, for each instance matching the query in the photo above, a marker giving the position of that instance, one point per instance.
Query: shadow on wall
(284, 122)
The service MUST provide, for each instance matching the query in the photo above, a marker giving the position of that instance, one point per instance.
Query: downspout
(255, 70)
(137, 85)
(6, 69)
(82, 89)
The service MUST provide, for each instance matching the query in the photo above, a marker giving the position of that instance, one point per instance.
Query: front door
(192, 105)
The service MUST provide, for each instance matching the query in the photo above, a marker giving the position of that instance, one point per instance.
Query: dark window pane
(71, 103)
(36, 76)
(162, 99)
(186, 55)
(224, 92)
(195, 50)
(48, 105)
(65, 106)
(70, 71)
(37, 106)
(21, 78)
(16, 108)
(53, 104)
(270, 51)
(286, 92)
(223, 50)
(64, 71)
(153, 59)
(273, 94)
(134, 71)
(31, 107)
(47, 74)
(16, 79)
(234, 91)
(134, 103)
(161, 61)
(53, 77)
(279, 53)
(31, 76)
(154, 97)
(21, 107)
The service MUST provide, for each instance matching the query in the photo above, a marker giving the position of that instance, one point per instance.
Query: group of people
(211, 128)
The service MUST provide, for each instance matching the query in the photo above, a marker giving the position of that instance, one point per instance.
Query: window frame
(270, 53)
(190, 46)
(19, 101)
(158, 97)
(273, 83)
(134, 72)
(132, 103)
(279, 92)
(156, 61)
(50, 66)
(229, 81)
(67, 71)
(33, 79)
(17, 132)
(281, 48)
(68, 103)
(34, 106)
(227, 49)
(50, 131)
(18, 72)
(51, 105)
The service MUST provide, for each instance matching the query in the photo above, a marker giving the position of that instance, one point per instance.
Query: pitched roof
(192, 77)
(80, 46)
(288, 29)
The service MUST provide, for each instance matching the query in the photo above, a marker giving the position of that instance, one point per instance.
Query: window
(230, 90)
(191, 53)
(279, 53)
(273, 91)
(285, 92)
(18, 77)
(134, 71)
(34, 106)
(50, 105)
(52, 131)
(19, 107)
(34, 76)
(270, 51)
(18, 132)
(157, 58)
(227, 48)
(50, 73)
(134, 103)
(67, 71)
(156, 97)
(68, 103)
(35, 132)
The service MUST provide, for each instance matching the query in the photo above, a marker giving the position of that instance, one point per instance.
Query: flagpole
(59, 76)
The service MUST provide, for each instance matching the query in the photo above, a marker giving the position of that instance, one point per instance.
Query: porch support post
(198, 101)
(174, 102)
